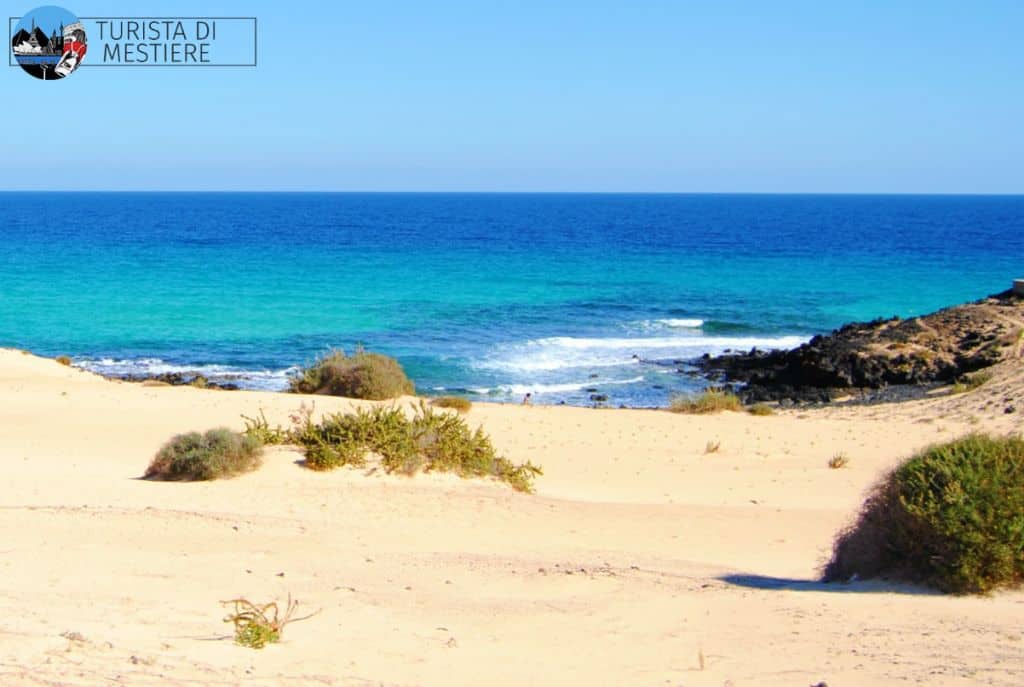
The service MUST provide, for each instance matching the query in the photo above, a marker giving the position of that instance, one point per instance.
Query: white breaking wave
(566, 352)
(682, 323)
(516, 389)
(261, 380)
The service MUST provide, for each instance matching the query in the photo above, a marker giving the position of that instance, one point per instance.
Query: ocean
(566, 296)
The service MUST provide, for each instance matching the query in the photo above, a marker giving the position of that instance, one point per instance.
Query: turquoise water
(492, 295)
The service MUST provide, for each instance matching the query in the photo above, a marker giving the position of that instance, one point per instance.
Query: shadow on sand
(767, 583)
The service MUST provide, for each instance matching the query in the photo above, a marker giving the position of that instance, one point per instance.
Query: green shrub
(455, 402)
(218, 453)
(951, 517)
(971, 382)
(711, 401)
(259, 429)
(427, 441)
(761, 409)
(63, 360)
(365, 375)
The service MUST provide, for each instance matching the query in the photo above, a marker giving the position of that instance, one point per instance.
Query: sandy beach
(641, 559)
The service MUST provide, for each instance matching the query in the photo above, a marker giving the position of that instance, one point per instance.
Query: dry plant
(710, 401)
(259, 625)
(839, 460)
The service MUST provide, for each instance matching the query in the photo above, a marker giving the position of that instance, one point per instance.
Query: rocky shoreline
(176, 379)
(881, 360)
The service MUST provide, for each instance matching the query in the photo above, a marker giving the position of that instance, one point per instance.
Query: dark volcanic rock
(181, 379)
(935, 348)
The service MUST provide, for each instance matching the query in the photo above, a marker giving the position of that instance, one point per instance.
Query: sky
(555, 95)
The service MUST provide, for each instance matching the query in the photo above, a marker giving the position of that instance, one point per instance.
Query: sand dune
(641, 559)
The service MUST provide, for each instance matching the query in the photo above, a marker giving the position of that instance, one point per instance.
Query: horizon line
(528, 192)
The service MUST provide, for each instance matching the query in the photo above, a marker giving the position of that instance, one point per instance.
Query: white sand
(641, 560)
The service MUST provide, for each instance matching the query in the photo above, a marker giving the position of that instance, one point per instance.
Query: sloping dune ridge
(642, 559)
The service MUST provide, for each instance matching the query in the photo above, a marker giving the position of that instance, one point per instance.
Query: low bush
(371, 376)
(950, 517)
(710, 401)
(217, 453)
(761, 409)
(259, 429)
(458, 403)
(426, 441)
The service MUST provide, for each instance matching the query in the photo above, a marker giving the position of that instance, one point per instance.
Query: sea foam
(258, 380)
(566, 352)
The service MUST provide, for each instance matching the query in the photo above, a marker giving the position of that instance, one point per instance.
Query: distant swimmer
(527, 398)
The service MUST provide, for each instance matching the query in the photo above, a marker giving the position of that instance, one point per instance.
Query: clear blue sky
(772, 96)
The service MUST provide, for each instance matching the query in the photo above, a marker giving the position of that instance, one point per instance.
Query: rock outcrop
(934, 348)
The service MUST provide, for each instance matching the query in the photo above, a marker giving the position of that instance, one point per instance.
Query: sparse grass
(63, 360)
(950, 517)
(217, 453)
(259, 625)
(839, 460)
(761, 409)
(970, 382)
(710, 401)
(458, 403)
(712, 446)
(426, 441)
(365, 375)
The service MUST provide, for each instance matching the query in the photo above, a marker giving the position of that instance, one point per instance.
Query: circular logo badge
(49, 43)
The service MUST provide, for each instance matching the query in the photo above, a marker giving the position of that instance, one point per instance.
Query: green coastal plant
(259, 428)
(950, 517)
(427, 441)
(710, 401)
(761, 409)
(217, 453)
(365, 375)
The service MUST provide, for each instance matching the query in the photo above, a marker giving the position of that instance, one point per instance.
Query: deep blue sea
(490, 295)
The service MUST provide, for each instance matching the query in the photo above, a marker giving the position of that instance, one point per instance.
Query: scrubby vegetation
(951, 517)
(458, 403)
(217, 453)
(760, 409)
(371, 376)
(971, 382)
(259, 428)
(426, 441)
(63, 360)
(259, 625)
(711, 401)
